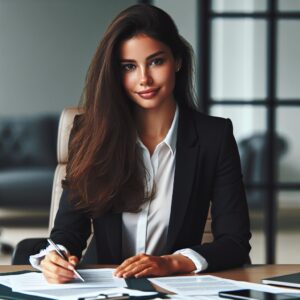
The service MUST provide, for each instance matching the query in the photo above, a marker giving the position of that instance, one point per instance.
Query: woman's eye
(128, 67)
(157, 61)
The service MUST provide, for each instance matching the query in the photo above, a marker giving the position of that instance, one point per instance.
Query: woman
(145, 165)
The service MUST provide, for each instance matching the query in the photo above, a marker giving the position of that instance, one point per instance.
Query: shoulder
(205, 125)
(214, 135)
(207, 131)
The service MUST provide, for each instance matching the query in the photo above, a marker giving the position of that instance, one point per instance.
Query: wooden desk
(256, 273)
(252, 273)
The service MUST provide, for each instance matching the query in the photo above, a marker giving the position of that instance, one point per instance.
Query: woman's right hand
(58, 270)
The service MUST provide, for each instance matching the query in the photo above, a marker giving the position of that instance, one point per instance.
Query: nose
(145, 77)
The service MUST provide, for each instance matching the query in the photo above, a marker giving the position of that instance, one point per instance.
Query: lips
(148, 94)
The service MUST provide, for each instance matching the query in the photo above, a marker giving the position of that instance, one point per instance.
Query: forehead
(141, 46)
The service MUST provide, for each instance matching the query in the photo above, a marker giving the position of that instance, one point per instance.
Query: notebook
(292, 280)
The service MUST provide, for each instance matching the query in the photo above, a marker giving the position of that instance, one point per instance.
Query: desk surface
(254, 273)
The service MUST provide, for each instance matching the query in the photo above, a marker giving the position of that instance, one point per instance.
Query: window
(249, 58)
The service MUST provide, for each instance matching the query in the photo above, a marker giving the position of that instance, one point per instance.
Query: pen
(62, 254)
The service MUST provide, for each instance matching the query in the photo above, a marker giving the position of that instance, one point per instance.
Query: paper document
(5, 279)
(196, 287)
(93, 278)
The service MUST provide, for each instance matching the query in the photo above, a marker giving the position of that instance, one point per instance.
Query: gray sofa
(27, 161)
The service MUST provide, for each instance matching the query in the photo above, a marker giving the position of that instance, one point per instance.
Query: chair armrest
(25, 248)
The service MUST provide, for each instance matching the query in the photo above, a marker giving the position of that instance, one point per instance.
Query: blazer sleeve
(71, 228)
(230, 218)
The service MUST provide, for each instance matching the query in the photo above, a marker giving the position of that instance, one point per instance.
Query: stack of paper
(204, 287)
(207, 286)
(96, 281)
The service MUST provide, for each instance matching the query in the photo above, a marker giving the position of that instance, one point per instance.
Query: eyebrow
(148, 57)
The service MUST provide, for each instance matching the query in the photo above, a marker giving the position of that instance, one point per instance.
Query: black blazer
(207, 170)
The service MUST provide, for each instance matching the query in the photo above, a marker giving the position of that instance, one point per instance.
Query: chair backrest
(254, 154)
(64, 129)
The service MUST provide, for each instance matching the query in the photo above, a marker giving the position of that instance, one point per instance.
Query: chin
(147, 104)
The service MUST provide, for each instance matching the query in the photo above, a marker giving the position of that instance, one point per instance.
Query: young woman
(145, 166)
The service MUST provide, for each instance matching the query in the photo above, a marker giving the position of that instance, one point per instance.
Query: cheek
(128, 81)
(166, 75)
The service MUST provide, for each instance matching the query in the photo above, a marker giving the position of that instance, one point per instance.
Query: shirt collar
(171, 137)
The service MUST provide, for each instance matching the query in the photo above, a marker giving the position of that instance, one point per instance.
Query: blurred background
(247, 69)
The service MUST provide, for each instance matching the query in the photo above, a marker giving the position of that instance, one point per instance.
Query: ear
(178, 63)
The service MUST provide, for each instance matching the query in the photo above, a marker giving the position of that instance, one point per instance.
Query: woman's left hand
(143, 265)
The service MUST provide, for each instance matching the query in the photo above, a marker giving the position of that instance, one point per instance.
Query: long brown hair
(105, 170)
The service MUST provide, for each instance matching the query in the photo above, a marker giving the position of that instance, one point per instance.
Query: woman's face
(148, 71)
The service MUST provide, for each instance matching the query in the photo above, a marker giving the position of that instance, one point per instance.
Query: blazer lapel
(186, 158)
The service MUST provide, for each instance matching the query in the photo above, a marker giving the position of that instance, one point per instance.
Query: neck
(154, 124)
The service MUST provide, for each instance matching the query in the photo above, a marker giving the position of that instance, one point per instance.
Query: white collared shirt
(147, 230)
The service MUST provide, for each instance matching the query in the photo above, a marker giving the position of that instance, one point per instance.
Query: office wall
(184, 13)
(45, 50)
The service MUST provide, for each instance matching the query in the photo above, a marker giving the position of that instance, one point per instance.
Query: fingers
(73, 260)
(131, 260)
(56, 269)
(146, 273)
(132, 271)
(129, 264)
(143, 265)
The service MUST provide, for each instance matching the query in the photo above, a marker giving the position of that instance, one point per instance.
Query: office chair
(31, 246)
(5, 248)
(254, 154)
(27, 247)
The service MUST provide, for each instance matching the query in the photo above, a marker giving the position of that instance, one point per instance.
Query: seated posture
(144, 166)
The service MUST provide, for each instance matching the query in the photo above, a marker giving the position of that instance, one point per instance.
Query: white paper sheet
(207, 285)
(194, 285)
(5, 280)
(99, 278)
